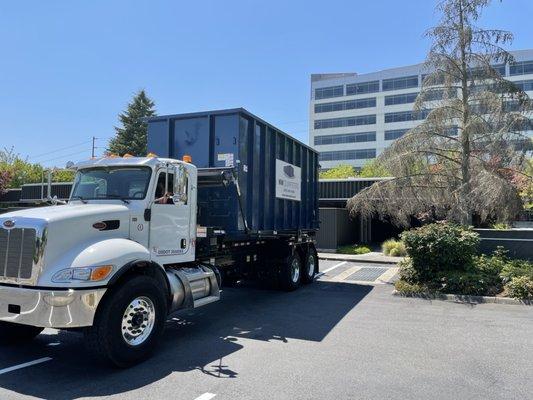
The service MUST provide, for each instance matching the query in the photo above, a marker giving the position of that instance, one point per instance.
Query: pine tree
(131, 137)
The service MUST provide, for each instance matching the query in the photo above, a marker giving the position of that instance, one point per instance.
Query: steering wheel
(138, 194)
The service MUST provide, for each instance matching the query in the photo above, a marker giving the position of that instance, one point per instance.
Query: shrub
(500, 226)
(520, 287)
(407, 272)
(515, 269)
(474, 282)
(407, 288)
(439, 247)
(353, 249)
(393, 247)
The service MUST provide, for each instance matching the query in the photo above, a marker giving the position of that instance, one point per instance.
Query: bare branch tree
(456, 163)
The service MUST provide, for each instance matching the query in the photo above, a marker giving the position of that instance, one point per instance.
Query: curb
(340, 258)
(457, 298)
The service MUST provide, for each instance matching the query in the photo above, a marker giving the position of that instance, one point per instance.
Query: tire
(11, 333)
(290, 273)
(143, 326)
(311, 266)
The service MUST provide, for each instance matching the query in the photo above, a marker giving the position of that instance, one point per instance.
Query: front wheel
(11, 333)
(129, 323)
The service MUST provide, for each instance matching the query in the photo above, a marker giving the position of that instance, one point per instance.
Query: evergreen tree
(131, 137)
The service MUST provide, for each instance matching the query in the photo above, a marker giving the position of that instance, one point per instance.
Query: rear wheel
(11, 333)
(290, 273)
(311, 266)
(129, 323)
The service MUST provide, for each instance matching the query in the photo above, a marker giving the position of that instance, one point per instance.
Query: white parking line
(330, 269)
(27, 364)
(206, 396)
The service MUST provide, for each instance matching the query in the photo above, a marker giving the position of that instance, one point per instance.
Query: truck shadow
(194, 340)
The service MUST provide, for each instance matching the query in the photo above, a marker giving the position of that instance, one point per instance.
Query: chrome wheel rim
(312, 266)
(138, 321)
(295, 270)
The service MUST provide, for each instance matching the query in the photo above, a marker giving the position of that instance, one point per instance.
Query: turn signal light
(151, 155)
(101, 272)
(187, 158)
(127, 155)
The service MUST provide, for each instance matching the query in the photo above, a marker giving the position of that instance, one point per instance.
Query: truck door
(170, 232)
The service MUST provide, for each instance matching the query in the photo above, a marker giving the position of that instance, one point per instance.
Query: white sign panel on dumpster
(288, 181)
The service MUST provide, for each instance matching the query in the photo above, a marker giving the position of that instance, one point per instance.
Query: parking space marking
(343, 275)
(388, 275)
(330, 269)
(24, 365)
(206, 396)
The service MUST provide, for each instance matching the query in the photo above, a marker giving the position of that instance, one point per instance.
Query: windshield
(125, 183)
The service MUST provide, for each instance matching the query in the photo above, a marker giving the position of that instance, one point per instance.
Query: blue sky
(67, 68)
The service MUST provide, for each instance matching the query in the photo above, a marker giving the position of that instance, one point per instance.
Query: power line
(64, 156)
(57, 150)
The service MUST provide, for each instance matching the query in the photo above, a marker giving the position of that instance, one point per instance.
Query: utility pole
(92, 152)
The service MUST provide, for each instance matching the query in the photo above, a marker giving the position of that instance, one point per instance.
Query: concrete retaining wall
(519, 242)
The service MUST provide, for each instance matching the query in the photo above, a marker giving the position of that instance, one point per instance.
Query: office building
(354, 117)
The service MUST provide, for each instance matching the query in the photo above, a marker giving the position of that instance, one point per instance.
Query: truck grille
(17, 247)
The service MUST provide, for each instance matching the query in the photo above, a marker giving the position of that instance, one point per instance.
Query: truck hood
(69, 211)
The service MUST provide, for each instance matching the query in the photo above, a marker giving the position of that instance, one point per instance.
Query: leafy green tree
(373, 169)
(21, 171)
(131, 137)
(341, 171)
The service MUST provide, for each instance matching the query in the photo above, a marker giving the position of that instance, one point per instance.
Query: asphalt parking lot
(341, 337)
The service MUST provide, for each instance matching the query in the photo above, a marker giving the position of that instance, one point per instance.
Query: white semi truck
(127, 250)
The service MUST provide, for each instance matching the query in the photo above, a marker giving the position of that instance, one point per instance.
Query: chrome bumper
(49, 308)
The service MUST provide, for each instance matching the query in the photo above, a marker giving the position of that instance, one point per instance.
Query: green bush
(439, 247)
(520, 287)
(394, 248)
(407, 288)
(353, 249)
(515, 269)
(500, 226)
(407, 272)
(474, 282)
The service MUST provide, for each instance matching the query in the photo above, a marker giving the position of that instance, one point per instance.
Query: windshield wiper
(116, 196)
(79, 198)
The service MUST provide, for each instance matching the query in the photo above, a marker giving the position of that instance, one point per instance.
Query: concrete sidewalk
(372, 257)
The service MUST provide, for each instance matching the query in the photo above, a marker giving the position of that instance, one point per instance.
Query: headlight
(92, 274)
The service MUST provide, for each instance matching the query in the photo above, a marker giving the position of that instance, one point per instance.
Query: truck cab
(123, 253)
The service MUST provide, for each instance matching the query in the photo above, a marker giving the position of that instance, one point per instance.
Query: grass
(353, 249)
(394, 248)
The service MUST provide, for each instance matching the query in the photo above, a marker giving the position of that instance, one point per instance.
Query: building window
(342, 122)
(328, 92)
(400, 83)
(521, 68)
(345, 105)
(360, 154)
(362, 88)
(500, 68)
(394, 134)
(346, 138)
(403, 116)
(400, 99)
(525, 85)
(438, 94)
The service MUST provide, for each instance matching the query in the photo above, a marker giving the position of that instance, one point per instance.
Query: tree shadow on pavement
(193, 340)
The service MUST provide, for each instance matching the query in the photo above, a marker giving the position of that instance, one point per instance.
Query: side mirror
(180, 185)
